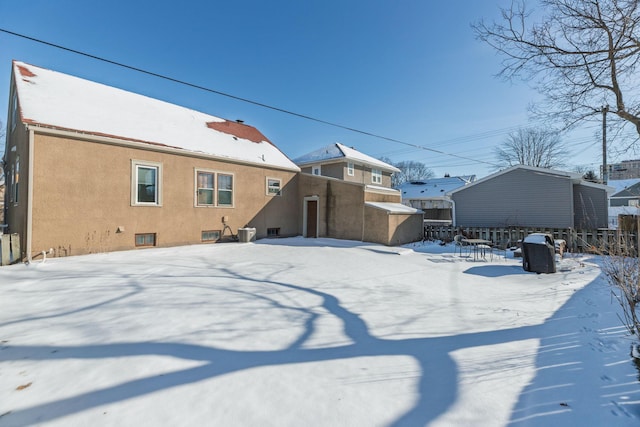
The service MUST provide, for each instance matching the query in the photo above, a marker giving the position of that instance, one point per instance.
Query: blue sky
(408, 70)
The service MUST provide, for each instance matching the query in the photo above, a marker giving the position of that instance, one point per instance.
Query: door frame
(305, 214)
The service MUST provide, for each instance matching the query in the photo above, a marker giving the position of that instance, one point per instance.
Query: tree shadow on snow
(437, 388)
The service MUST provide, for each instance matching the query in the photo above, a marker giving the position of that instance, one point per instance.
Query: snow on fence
(577, 240)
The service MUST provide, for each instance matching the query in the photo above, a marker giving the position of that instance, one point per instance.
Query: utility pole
(605, 172)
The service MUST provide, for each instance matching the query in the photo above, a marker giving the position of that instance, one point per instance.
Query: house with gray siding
(625, 200)
(628, 196)
(527, 196)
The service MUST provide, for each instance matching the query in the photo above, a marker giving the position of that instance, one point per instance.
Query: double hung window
(225, 190)
(205, 188)
(350, 169)
(376, 176)
(146, 183)
(214, 188)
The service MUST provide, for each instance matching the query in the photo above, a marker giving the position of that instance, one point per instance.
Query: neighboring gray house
(628, 196)
(431, 196)
(531, 197)
(625, 200)
(347, 164)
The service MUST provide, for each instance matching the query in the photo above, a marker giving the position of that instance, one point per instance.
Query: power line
(238, 98)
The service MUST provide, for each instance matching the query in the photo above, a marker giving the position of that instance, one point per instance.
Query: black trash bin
(539, 253)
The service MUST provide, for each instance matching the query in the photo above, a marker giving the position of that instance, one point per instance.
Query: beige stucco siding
(82, 195)
(392, 228)
(341, 206)
(345, 210)
(344, 215)
(405, 228)
(334, 170)
(339, 170)
(390, 196)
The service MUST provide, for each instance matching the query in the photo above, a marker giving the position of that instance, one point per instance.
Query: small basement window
(145, 239)
(211, 235)
(273, 232)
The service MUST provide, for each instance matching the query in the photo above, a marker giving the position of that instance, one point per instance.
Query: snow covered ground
(313, 332)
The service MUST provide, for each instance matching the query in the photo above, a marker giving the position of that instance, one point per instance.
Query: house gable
(341, 162)
(49, 99)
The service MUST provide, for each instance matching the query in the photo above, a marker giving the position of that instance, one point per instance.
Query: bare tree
(622, 270)
(582, 55)
(409, 171)
(531, 147)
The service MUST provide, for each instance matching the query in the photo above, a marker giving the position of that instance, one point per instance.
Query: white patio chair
(458, 244)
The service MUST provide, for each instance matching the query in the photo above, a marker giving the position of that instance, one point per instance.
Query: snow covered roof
(337, 151)
(620, 185)
(576, 178)
(394, 208)
(55, 100)
(433, 188)
(632, 191)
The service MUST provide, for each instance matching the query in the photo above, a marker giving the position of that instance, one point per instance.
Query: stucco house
(355, 211)
(532, 197)
(432, 196)
(352, 195)
(347, 164)
(92, 168)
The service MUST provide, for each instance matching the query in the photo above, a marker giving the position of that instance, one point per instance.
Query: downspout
(30, 197)
(363, 214)
(453, 213)
(364, 196)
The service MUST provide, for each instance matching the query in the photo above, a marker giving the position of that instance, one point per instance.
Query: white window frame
(216, 188)
(350, 169)
(197, 188)
(271, 187)
(316, 170)
(376, 176)
(135, 165)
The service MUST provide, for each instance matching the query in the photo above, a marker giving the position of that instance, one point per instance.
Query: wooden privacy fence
(577, 240)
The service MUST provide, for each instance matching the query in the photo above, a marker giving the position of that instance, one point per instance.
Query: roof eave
(146, 145)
